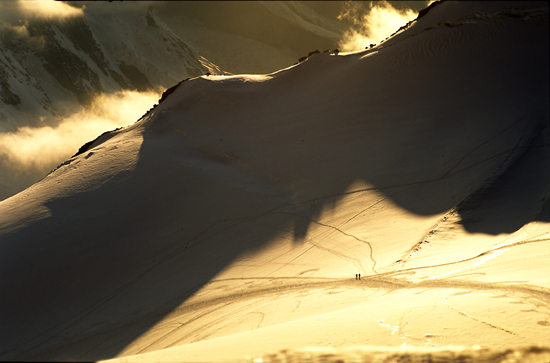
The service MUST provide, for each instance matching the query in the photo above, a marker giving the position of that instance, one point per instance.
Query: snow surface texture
(232, 219)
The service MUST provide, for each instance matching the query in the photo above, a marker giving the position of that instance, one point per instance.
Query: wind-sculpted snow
(232, 218)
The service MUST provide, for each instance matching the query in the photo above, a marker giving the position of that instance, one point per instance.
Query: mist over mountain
(393, 196)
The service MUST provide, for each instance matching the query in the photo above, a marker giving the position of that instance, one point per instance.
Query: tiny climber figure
(359, 276)
(356, 276)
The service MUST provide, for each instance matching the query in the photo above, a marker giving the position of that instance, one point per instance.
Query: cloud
(31, 150)
(15, 15)
(20, 10)
(378, 23)
(49, 9)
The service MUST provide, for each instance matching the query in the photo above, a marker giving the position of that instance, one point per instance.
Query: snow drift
(232, 218)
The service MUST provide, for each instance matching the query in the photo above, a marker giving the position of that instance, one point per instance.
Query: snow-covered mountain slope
(232, 218)
(52, 68)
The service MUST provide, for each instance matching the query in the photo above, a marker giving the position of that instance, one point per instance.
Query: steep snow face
(233, 216)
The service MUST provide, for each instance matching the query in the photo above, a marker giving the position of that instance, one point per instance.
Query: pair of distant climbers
(358, 276)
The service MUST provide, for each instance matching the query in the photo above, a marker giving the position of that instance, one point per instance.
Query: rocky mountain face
(56, 66)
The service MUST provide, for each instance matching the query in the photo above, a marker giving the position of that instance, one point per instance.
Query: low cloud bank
(30, 150)
(373, 25)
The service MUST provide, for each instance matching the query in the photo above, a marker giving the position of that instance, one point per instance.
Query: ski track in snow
(296, 284)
